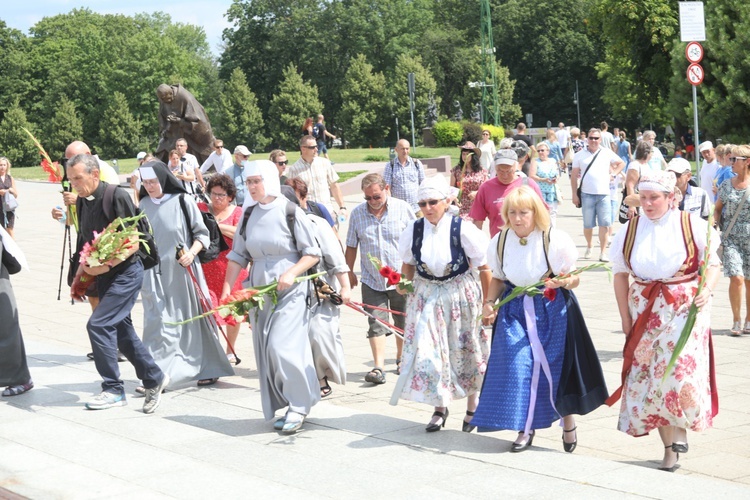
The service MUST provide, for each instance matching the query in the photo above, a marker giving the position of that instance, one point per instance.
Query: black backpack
(147, 251)
(217, 242)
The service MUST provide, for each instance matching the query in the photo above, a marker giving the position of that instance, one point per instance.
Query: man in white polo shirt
(596, 166)
(709, 168)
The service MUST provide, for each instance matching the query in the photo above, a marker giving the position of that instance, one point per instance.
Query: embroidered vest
(459, 263)
(692, 261)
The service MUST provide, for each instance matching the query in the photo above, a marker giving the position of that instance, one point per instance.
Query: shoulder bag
(580, 184)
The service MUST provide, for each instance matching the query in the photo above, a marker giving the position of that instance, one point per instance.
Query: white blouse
(524, 265)
(436, 248)
(658, 250)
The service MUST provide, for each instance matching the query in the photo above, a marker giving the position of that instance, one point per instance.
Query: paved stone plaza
(213, 442)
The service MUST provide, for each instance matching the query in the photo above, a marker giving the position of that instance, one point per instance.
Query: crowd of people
(463, 330)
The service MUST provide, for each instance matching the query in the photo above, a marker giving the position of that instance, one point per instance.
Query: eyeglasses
(374, 198)
(432, 203)
(594, 138)
(285, 162)
(218, 195)
(253, 182)
(310, 147)
(733, 159)
(542, 150)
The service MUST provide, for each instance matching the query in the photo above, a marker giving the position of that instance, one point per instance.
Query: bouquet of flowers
(236, 306)
(540, 287)
(55, 173)
(392, 276)
(687, 330)
(115, 242)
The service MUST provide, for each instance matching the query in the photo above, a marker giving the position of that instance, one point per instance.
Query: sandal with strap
(437, 425)
(375, 376)
(569, 447)
(15, 390)
(736, 329)
(207, 381)
(398, 365)
(325, 390)
(467, 426)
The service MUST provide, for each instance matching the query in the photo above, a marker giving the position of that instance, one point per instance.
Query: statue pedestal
(428, 138)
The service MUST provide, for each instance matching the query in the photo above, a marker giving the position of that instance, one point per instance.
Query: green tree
(424, 86)
(241, 119)
(639, 36)
(295, 101)
(14, 142)
(64, 128)
(365, 104)
(119, 135)
(15, 65)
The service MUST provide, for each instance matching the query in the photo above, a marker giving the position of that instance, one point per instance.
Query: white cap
(242, 150)
(679, 166)
(705, 146)
(140, 155)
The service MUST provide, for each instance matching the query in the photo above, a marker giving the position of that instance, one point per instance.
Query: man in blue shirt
(404, 174)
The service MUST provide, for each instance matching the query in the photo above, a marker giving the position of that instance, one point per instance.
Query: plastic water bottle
(342, 218)
(64, 215)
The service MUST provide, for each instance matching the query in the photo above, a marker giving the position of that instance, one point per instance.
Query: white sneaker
(604, 257)
(106, 400)
(587, 255)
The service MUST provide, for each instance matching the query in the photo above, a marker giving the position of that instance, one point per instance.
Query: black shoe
(437, 427)
(679, 447)
(90, 356)
(520, 447)
(674, 466)
(569, 447)
(467, 426)
(120, 357)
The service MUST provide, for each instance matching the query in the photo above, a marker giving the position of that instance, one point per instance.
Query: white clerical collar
(90, 197)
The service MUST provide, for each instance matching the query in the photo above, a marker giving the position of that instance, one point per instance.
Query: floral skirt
(684, 398)
(445, 348)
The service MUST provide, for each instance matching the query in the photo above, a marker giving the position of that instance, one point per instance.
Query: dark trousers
(110, 327)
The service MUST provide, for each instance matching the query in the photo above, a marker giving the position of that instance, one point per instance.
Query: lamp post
(577, 102)
(482, 86)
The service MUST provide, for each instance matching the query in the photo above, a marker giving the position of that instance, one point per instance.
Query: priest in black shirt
(118, 283)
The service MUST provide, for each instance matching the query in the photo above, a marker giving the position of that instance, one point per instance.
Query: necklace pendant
(523, 241)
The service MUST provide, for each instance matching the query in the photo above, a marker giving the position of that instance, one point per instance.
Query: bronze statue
(181, 115)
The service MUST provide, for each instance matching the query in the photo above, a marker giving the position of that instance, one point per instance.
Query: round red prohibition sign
(694, 52)
(695, 74)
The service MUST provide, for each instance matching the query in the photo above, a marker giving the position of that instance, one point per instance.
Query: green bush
(376, 158)
(447, 133)
(497, 134)
(472, 132)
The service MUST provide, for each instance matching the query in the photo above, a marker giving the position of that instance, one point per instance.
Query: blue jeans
(110, 327)
(597, 210)
(322, 148)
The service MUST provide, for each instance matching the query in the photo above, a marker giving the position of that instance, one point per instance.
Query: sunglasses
(285, 162)
(310, 147)
(733, 159)
(594, 138)
(374, 198)
(218, 147)
(431, 203)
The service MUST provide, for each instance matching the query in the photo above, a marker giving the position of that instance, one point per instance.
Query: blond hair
(526, 198)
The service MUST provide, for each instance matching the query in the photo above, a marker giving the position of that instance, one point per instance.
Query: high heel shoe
(569, 447)
(467, 426)
(437, 426)
(679, 447)
(518, 447)
(674, 465)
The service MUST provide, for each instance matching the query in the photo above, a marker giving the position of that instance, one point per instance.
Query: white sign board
(692, 22)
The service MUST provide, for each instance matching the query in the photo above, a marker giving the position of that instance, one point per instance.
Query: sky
(206, 13)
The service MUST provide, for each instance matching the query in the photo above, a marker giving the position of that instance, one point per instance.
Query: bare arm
(622, 285)
(351, 255)
(233, 270)
(574, 173)
(305, 262)
(493, 294)
(336, 192)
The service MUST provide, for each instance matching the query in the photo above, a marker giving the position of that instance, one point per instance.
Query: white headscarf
(270, 174)
(435, 188)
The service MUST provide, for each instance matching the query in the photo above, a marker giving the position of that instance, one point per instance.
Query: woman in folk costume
(14, 370)
(654, 308)
(543, 365)
(170, 289)
(445, 347)
(280, 331)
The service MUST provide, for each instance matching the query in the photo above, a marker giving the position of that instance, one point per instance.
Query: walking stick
(206, 305)
(66, 237)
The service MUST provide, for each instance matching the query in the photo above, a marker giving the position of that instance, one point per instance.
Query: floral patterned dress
(445, 348)
(665, 285)
(468, 182)
(216, 270)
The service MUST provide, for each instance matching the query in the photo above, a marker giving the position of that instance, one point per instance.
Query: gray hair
(505, 143)
(88, 161)
(649, 134)
(371, 179)
(642, 150)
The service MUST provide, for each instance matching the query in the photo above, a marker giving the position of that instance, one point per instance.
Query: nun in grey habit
(280, 331)
(14, 371)
(190, 351)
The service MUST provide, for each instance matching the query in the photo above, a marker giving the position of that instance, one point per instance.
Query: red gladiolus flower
(386, 271)
(394, 278)
(550, 294)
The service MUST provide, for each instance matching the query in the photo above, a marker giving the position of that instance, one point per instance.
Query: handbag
(720, 250)
(580, 184)
(623, 212)
(10, 202)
